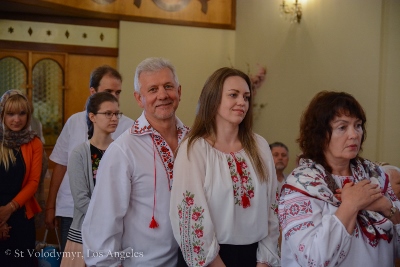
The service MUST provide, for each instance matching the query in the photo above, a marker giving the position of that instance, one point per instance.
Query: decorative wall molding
(61, 34)
(197, 13)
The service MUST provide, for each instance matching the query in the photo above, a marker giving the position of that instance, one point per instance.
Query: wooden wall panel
(201, 13)
(79, 69)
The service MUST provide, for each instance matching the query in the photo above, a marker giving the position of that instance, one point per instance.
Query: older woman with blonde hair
(21, 153)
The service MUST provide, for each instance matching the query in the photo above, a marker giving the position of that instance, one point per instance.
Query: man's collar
(141, 126)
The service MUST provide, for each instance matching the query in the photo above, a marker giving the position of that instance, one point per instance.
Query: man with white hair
(127, 222)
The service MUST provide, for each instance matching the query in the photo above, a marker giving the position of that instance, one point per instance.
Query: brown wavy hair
(315, 127)
(205, 125)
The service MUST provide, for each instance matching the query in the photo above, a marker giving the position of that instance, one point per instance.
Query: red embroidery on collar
(166, 155)
(243, 189)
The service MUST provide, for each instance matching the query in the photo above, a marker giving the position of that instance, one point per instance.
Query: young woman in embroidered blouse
(21, 153)
(223, 200)
(337, 209)
(102, 115)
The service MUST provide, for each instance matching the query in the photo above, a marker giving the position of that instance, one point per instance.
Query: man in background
(280, 153)
(59, 201)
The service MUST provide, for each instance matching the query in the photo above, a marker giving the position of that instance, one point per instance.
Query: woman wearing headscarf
(21, 153)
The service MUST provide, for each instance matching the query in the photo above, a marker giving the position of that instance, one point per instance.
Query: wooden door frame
(31, 58)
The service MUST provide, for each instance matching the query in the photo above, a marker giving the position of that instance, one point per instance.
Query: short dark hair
(93, 105)
(278, 144)
(315, 128)
(98, 74)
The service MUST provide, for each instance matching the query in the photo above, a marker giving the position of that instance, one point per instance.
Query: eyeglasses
(109, 114)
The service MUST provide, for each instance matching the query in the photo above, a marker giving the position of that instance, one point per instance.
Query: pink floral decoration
(258, 79)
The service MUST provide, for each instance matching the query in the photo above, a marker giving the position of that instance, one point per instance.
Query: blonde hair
(15, 103)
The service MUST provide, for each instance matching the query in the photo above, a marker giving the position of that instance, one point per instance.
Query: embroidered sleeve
(108, 205)
(392, 196)
(397, 240)
(268, 248)
(312, 234)
(190, 218)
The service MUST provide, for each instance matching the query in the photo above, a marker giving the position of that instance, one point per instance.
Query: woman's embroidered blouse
(312, 235)
(217, 198)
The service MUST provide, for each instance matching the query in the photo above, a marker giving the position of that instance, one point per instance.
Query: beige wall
(389, 149)
(337, 46)
(341, 45)
(195, 52)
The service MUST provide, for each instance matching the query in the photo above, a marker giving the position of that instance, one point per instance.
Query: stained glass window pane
(12, 75)
(47, 81)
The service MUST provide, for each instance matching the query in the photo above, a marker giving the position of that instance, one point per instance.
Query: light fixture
(294, 11)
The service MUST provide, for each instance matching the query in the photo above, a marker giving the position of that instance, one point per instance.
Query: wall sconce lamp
(294, 12)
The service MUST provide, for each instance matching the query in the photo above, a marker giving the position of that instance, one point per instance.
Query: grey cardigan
(81, 182)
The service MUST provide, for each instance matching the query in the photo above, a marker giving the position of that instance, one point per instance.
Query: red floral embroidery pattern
(95, 164)
(391, 193)
(163, 149)
(298, 227)
(182, 132)
(191, 230)
(136, 130)
(342, 255)
(166, 155)
(345, 180)
(356, 231)
(365, 225)
(241, 180)
(299, 208)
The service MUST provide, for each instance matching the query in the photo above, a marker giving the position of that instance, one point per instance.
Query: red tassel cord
(153, 223)
(239, 168)
(245, 201)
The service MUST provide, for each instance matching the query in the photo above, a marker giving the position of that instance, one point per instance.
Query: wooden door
(72, 94)
(65, 75)
(42, 80)
(79, 69)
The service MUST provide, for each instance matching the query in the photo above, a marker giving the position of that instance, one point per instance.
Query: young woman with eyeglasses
(102, 120)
